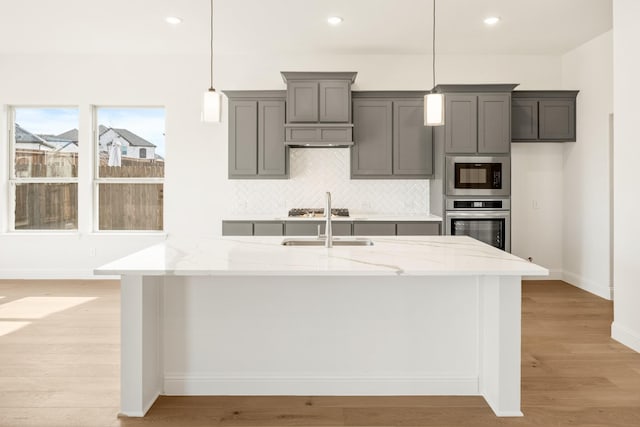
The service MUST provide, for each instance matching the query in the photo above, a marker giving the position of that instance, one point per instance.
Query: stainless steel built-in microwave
(478, 176)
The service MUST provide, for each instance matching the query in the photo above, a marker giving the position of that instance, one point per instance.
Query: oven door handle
(478, 214)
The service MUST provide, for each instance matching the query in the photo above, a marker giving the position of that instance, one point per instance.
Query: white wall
(626, 268)
(197, 192)
(587, 195)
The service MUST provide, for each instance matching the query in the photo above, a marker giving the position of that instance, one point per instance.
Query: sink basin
(321, 242)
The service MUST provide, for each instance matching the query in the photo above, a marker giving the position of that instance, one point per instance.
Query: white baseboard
(52, 274)
(625, 336)
(601, 290)
(177, 385)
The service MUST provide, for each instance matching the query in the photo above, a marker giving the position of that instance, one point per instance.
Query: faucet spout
(328, 230)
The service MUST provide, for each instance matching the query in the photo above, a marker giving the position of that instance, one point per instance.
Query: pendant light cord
(211, 51)
(433, 40)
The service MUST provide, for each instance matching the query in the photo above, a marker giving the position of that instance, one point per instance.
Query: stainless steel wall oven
(488, 220)
(478, 176)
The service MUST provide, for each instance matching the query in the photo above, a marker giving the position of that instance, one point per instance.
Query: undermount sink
(321, 242)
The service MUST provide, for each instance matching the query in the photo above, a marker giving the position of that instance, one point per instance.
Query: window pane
(46, 206)
(130, 142)
(130, 206)
(46, 142)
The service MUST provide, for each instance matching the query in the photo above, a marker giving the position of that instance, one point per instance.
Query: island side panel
(500, 336)
(389, 335)
(141, 337)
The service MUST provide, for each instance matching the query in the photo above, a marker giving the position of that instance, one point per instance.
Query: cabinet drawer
(418, 228)
(319, 134)
(374, 228)
(336, 134)
(301, 134)
(299, 228)
(237, 228)
(268, 229)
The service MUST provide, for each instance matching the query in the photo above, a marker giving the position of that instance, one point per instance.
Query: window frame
(97, 180)
(14, 180)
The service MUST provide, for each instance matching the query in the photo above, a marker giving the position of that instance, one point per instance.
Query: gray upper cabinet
(494, 123)
(557, 119)
(334, 101)
(412, 141)
(461, 123)
(477, 118)
(524, 119)
(257, 134)
(477, 123)
(272, 153)
(371, 154)
(390, 139)
(302, 101)
(544, 116)
(243, 138)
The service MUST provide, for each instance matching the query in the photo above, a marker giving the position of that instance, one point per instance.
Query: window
(129, 173)
(44, 168)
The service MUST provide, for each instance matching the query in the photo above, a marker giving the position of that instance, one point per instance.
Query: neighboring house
(26, 140)
(133, 146)
(44, 155)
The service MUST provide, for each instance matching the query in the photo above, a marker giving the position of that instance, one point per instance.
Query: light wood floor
(62, 369)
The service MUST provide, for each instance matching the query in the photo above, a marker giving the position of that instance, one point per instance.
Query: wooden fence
(55, 205)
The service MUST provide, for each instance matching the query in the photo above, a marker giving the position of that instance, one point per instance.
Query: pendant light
(434, 102)
(211, 100)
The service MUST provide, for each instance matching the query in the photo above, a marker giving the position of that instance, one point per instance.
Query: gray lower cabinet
(237, 228)
(418, 229)
(543, 116)
(310, 228)
(340, 228)
(390, 139)
(256, 135)
(268, 228)
(477, 123)
(374, 228)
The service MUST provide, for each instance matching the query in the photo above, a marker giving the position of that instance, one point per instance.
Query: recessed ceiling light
(492, 20)
(173, 20)
(334, 20)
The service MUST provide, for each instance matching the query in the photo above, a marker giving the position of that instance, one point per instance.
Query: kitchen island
(432, 315)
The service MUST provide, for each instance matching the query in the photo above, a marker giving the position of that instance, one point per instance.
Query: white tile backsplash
(316, 171)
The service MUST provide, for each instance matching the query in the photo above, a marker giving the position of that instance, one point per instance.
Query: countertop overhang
(265, 256)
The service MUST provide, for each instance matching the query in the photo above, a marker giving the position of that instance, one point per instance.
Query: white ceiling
(299, 26)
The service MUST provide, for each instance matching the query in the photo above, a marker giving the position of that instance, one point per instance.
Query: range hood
(318, 109)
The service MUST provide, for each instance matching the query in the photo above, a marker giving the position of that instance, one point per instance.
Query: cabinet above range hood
(318, 109)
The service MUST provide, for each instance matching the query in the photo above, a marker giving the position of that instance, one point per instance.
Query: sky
(147, 123)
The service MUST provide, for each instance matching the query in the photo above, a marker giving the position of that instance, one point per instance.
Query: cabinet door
(461, 123)
(302, 102)
(243, 137)
(557, 120)
(412, 140)
(371, 154)
(237, 228)
(494, 123)
(370, 228)
(334, 101)
(524, 119)
(310, 228)
(272, 153)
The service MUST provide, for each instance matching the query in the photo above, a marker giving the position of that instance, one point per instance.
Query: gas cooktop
(317, 212)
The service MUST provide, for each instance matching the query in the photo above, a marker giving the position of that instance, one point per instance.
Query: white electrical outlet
(534, 204)
(92, 252)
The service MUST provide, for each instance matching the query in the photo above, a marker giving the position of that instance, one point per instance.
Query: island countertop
(265, 256)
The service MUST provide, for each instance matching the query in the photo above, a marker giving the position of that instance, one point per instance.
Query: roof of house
(70, 135)
(130, 137)
(133, 139)
(24, 136)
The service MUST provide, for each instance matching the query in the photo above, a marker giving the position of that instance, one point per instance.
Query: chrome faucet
(327, 229)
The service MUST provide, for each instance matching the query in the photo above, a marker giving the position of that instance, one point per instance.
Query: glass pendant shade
(211, 103)
(434, 109)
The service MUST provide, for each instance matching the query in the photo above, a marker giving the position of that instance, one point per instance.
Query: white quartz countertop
(353, 217)
(265, 256)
